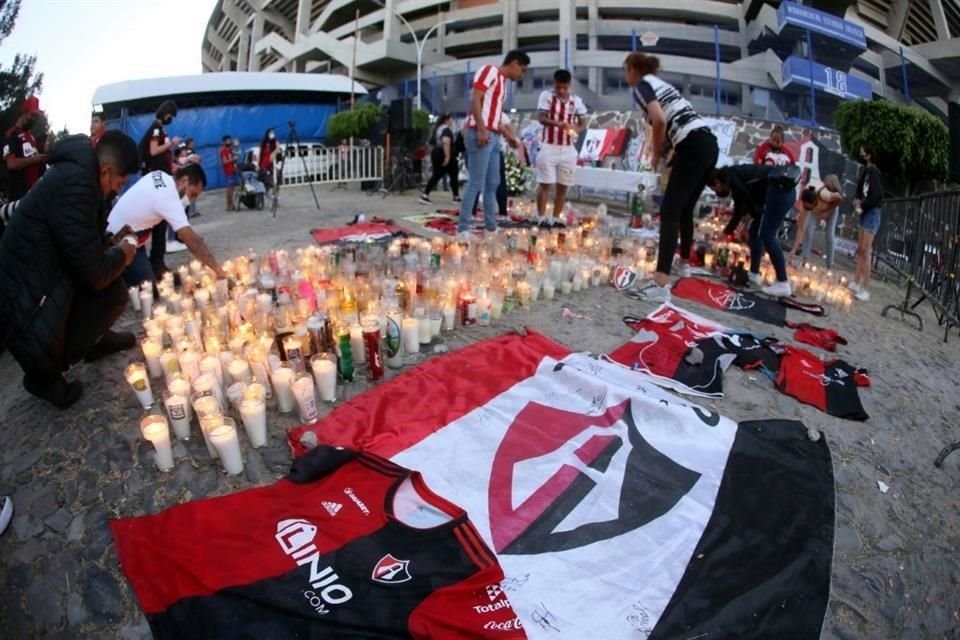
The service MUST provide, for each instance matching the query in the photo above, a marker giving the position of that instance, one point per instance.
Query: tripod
(292, 145)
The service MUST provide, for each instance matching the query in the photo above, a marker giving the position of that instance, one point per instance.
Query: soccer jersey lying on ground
(686, 352)
(829, 386)
(349, 545)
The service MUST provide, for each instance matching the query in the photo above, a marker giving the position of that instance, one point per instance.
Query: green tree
(912, 146)
(355, 123)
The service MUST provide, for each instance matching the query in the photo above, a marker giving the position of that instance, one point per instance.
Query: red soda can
(371, 345)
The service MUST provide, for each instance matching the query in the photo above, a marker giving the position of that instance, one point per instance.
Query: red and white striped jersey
(562, 111)
(492, 82)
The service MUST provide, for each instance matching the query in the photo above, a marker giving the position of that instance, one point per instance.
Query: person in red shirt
(21, 155)
(228, 160)
(773, 152)
(268, 147)
(98, 127)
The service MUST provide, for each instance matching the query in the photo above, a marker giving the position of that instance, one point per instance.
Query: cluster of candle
(294, 325)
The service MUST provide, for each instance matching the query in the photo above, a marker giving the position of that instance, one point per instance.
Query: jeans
(483, 164)
(693, 160)
(870, 220)
(501, 191)
(831, 235)
(140, 269)
(764, 228)
(92, 313)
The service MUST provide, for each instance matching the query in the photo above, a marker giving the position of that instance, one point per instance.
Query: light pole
(418, 43)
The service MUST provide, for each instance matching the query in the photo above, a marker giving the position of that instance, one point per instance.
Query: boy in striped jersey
(561, 114)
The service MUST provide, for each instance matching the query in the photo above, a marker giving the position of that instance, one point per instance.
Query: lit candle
(253, 412)
(565, 287)
(178, 410)
(209, 422)
(449, 317)
(151, 352)
(154, 429)
(136, 375)
(424, 327)
(134, 294)
(356, 344)
(189, 363)
(146, 303)
(325, 375)
(224, 438)
(283, 386)
(239, 370)
(255, 391)
(306, 400)
(411, 335)
(293, 349)
(549, 289)
(211, 364)
(207, 383)
(523, 292)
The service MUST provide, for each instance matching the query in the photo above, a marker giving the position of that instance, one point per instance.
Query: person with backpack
(156, 154)
(443, 159)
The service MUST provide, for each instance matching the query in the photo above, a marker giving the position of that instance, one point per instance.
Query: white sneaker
(6, 512)
(655, 293)
(754, 278)
(465, 236)
(853, 286)
(174, 246)
(425, 199)
(685, 270)
(778, 289)
(863, 295)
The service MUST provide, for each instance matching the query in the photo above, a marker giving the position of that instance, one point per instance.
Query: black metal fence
(918, 244)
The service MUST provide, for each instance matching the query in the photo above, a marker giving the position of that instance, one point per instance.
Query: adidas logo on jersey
(296, 539)
(333, 508)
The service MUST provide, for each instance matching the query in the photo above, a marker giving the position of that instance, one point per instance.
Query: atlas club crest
(391, 570)
(624, 277)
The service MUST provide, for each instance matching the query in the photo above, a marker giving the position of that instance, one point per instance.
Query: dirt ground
(896, 573)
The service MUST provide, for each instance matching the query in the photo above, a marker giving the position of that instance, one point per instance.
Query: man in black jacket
(758, 192)
(60, 286)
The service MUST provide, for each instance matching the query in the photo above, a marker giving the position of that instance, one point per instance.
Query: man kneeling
(60, 286)
(158, 197)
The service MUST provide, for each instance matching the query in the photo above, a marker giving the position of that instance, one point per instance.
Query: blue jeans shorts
(870, 220)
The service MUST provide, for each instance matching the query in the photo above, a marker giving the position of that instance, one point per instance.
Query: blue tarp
(208, 125)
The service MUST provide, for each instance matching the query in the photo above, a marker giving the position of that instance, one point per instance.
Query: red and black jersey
(162, 161)
(20, 143)
(347, 546)
(721, 296)
(680, 347)
(830, 386)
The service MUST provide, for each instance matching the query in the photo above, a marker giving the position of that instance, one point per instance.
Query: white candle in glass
(411, 335)
(134, 294)
(282, 385)
(255, 391)
(253, 412)
(189, 363)
(424, 328)
(154, 429)
(208, 423)
(549, 290)
(211, 364)
(207, 383)
(178, 410)
(325, 374)
(224, 438)
(136, 375)
(239, 370)
(202, 297)
(151, 353)
(565, 287)
(146, 303)
(449, 318)
(306, 400)
(356, 344)
(235, 393)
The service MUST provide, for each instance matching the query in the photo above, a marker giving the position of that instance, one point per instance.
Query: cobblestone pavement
(895, 573)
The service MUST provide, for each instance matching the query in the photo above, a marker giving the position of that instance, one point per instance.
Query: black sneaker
(457, 199)
(56, 391)
(558, 224)
(425, 199)
(544, 224)
(111, 342)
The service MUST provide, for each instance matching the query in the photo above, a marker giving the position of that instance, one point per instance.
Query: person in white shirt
(158, 197)
(561, 114)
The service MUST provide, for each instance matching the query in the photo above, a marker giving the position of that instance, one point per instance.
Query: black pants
(693, 160)
(158, 245)
(452, 171)
(501, 191)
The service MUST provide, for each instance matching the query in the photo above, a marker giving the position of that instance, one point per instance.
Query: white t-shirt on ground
(151, 200)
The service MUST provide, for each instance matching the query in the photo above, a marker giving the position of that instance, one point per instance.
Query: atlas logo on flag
(592, 457)
(391, 570)
(730, 299)
(296, 539)
(623, 278)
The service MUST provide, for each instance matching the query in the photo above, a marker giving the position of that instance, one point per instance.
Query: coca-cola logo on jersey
(576, 458)
(509, 625)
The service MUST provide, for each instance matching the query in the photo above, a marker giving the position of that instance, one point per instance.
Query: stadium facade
(751, 58)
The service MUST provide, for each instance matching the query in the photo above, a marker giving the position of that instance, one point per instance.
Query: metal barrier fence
(919, 243)
(317, 164)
